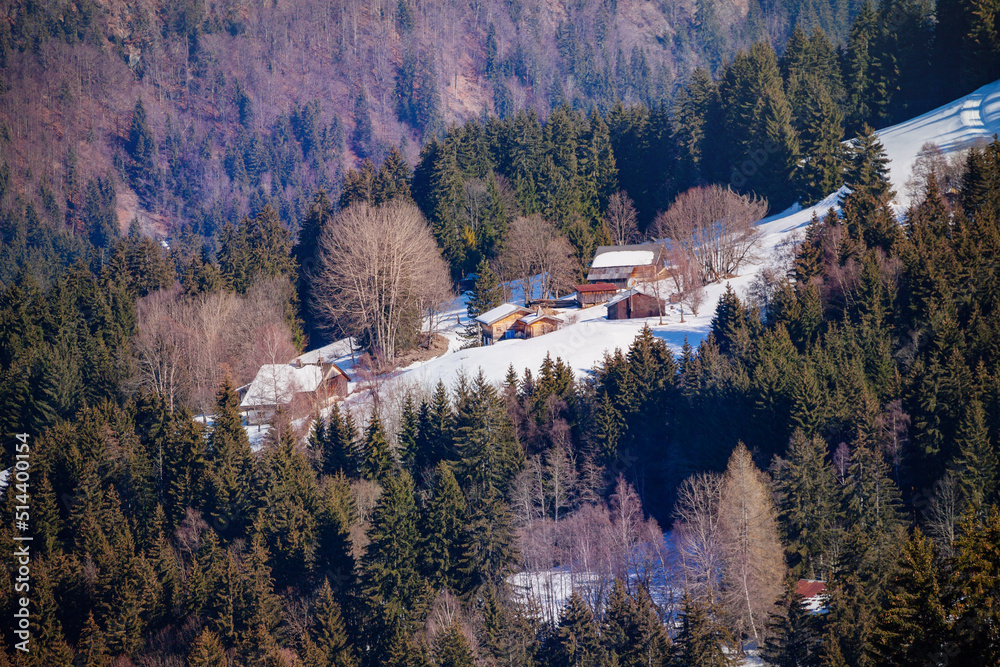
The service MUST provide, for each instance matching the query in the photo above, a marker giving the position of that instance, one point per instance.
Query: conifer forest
(200, 197)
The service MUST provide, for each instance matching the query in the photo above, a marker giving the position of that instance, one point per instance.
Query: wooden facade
(627, 265)
(633, 304)
(533, 326)
(594, 294)
(495, 324)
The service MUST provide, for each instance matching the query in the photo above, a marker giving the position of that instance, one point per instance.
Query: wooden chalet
(536, 324)
(297, 387)
(595, 293)
(497, 323)
(634, 303)
(625, 265)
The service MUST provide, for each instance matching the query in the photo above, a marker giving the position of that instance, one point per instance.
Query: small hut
(295, 386)
(625, 265)
(497, 324)
(634, 303)
(595, 293)
(536, 324)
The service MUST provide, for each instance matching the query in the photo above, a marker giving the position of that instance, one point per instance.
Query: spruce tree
(486, 294)
(378, 462)
(91, 651)
(390, 562)
(230, 465)
(914, 620)
(452, 649)
(339, 444)
(702, 640)
(435, 439)
(793, 633)
(807, 505)
(576, 642)
(328, 631)
(975, 464)
(207, 651)
(441, 530)
(409, 432)
(489, 553)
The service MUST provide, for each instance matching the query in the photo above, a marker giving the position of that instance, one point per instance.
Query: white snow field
(953, 127)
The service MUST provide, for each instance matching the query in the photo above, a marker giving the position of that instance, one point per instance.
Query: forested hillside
(192, 115)
(189, 192)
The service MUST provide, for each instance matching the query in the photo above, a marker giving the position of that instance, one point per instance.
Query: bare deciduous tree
(537, 255)
(699, 539)
(715, 226)
(186, 346)
(380, 271)
(621, 219)
(754, 558)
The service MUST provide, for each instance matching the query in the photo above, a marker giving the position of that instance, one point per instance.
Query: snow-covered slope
(588, 334)
(954, 126)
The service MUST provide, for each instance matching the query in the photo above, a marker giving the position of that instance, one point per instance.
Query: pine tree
(452, 649)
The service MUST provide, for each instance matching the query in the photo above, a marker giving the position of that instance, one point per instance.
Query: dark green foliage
(793, 638)
(914, 623)
(442, 528)
(230, 467)
(486, 293)
(453, 649)
(701, 639)
(485, 439)
(378, 460)
(575, 642)
(807, 505)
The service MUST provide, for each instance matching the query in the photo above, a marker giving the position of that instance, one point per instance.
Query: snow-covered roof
(500, 312)
(638, 289)
(278, 383)
(534, 317)
(643, 254)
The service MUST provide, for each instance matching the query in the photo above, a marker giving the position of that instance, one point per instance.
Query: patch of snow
(4, 479)
(623, 258)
